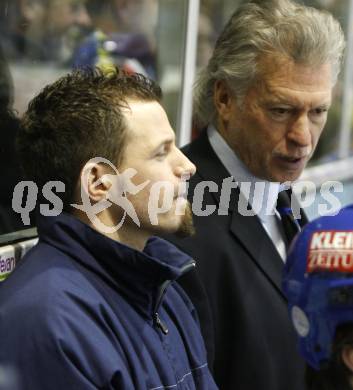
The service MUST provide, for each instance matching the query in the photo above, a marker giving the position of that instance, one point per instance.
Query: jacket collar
(136, 275)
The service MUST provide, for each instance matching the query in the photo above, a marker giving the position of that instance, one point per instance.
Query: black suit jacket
(236, 289)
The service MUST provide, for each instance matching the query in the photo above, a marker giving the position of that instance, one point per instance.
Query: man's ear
(223, 100)
(95, 182)
(347, 357)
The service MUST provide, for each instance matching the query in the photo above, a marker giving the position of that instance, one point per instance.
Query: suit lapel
(248, 230)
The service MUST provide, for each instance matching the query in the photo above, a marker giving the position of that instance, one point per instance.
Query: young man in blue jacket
(94, 305)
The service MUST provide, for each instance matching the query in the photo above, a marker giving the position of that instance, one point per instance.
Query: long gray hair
(304, 34)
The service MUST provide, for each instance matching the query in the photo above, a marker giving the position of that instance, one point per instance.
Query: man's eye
(280, 111)
(162, 152)
(320, 111)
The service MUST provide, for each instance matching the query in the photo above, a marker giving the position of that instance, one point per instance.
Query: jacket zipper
(157, 320)
(160, 324)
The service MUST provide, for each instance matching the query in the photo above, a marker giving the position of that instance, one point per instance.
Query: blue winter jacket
(82, 311)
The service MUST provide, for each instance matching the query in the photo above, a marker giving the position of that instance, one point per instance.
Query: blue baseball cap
(318, 283)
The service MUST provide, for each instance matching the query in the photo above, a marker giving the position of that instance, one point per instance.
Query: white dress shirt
(260, 194)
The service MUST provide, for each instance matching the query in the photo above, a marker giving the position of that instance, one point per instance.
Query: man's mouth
(293, 159)
(292, 162)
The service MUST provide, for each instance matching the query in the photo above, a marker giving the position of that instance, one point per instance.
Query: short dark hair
(77, 118)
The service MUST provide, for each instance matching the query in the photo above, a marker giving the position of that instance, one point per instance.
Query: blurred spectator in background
(44, 30)
(318, 282)
(116, 38)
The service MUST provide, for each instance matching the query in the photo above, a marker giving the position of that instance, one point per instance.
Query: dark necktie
(290, 225)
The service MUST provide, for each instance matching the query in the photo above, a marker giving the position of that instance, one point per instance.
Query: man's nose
(185, 166)
(299, 131)
(191, 169)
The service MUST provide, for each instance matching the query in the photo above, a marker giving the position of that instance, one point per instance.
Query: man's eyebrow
(277, 99)
(324, 105)
(273, 101)
(166, 141)
(286, 102)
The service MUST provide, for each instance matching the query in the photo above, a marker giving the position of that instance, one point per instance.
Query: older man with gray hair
(263, 101)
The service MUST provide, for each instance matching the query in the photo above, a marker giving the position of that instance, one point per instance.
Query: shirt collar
(263, 205)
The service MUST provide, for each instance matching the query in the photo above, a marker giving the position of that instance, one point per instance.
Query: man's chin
(283, 177)
(183, 228)
(186, 227)
(287, 172)
(290, 177)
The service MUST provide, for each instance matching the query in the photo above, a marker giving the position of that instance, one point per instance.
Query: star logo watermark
(120, 186)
